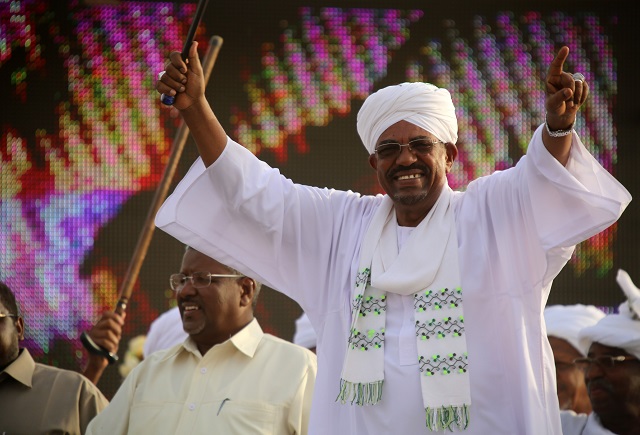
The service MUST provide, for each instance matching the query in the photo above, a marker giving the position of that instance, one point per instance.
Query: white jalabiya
(566, 321)
(582, 424)
(516, 230)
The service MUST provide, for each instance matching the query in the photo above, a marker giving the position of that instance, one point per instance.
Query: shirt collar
(246, 340)
(22, 368)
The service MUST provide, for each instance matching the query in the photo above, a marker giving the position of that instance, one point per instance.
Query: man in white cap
(611, 370)
(384, 278)
(564, 322)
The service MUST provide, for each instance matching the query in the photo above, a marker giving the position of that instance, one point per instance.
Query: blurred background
(84, 139)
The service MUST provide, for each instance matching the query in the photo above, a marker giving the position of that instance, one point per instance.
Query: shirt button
(192, 406)
(203, 370)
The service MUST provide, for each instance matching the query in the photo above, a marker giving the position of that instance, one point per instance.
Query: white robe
(582, 424)
(516, 229)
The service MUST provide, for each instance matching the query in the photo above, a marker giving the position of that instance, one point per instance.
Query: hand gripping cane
(202, 4)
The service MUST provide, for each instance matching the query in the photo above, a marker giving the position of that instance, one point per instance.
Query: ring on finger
(578, 77)
(160, 74)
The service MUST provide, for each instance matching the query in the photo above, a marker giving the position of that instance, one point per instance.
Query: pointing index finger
(555, 69)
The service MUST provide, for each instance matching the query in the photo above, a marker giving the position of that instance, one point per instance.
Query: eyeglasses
(604, 361)
(198, 279)
(418, 146)
(2, 315)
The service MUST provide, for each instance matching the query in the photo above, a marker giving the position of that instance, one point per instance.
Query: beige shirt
(253, 383)
(38, 399)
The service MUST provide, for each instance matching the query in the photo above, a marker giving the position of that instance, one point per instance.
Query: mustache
(601, 384)
(416, 165)
(183, 299)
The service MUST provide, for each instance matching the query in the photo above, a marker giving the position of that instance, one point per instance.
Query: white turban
(566, 321)
(620, 330)
(304, 335)
(421, 104)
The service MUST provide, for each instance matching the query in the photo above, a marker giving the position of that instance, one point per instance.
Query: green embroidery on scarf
(435, 300)
(443, 366)
(364, 341)
(446, 417)
(360, 394)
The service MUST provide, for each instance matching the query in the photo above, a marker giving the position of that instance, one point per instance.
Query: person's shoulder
(47, 370)
(69, 379)
(291, 349)
(162, 355)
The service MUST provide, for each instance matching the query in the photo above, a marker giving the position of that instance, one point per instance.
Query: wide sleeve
(572, 203)
(248, 215)
(532, 216)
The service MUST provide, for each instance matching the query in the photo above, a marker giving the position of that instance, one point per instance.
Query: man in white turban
(428, 301)
(611, 370)
(564, 322)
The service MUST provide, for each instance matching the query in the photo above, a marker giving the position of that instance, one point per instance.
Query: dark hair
(8, 299)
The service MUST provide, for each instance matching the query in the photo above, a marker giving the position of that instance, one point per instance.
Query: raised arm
(565, 95)
(185, 80)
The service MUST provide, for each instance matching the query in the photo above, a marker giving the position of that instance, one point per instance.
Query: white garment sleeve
(541, 209)
(582, 195)
(247, 215)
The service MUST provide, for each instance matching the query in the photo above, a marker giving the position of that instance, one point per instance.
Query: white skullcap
(566, 321)
(305, 335)
(421, 104)
(620, 330)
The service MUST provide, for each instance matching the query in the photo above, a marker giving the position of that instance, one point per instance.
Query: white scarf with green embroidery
(427, 267)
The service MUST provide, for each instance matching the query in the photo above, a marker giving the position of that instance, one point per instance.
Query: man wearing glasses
(427, 302)
(611, 371)
(36, 398)
(227, 377)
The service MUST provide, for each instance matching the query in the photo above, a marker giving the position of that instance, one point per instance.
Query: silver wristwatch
(558, 133)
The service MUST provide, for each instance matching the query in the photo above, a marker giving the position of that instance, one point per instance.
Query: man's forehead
(602, 349)
(195, 261)
(560, 346)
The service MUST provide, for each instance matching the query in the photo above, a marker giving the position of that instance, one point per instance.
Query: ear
(452, 154)
(20, 328)
(373, 161)
(248, 287)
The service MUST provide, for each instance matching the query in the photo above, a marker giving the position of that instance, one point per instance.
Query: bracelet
(558, 133)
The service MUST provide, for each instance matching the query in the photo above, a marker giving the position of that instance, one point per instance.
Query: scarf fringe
(359, 393)
(446, 417)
